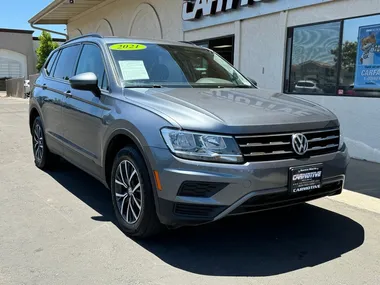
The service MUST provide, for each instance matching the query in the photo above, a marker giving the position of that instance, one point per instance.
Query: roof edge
(16, 31)
(46, 11)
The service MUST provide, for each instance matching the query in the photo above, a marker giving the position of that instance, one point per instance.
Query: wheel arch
(116, 141)
(33, 114)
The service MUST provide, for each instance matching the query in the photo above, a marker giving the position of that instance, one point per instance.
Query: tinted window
(66, 62)
(49, 66)
(91, 61)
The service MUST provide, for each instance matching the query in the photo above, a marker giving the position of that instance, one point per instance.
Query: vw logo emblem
(300, 144)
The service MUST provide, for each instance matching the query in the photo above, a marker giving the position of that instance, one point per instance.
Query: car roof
(111, 40)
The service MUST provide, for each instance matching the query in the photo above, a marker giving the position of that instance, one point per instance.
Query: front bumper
(235, 188)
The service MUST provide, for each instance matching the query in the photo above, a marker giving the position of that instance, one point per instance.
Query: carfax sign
(367, 74)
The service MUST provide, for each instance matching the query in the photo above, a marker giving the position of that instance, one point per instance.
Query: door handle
(44, 86)
(68, 94)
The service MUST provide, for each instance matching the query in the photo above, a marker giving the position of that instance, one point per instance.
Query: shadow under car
(262, 244)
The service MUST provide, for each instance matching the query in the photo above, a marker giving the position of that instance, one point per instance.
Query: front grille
(279, 146)
(270, 201)
(197, 210)
(200, 189)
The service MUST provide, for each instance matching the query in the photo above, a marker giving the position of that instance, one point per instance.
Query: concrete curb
(358, 200)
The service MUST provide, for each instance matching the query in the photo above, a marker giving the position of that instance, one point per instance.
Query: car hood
(233, 111)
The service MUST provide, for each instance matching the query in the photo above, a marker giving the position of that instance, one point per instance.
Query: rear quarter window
(50, 64)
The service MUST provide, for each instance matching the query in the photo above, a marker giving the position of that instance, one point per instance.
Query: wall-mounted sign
(197, 14)
(195, 9)
(367, 74)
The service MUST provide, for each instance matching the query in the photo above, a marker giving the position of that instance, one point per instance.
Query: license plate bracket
(305, 178)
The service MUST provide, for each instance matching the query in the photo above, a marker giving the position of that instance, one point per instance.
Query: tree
(349, 51)
(46, 47)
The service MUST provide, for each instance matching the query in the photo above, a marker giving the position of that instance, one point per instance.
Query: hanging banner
(367, 74)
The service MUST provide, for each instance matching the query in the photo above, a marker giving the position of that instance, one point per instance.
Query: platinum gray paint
(81, 131)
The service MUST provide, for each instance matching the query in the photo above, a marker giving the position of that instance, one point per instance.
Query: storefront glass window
(313, 68)
(223, 46)
(338, 58)
(349, 55)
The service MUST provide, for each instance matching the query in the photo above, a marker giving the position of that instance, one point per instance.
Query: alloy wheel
(38, 142)
(128, 192)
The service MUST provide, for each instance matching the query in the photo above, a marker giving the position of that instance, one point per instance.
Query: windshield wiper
(143, 86)
(243, 86)
(233, 86)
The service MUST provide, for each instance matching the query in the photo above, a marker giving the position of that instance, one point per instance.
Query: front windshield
(157, 65)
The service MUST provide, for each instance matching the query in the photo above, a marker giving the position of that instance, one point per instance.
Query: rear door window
(66, 62)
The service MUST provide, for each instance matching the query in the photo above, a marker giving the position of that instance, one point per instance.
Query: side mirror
(253, 82)
(86, 81)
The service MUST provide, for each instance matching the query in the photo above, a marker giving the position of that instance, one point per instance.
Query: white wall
(359, 119)
(142, 18)
(262, 49)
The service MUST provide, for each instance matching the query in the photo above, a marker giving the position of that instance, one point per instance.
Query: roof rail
(85, 36)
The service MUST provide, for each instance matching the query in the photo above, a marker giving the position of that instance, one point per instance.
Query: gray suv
(178, 135)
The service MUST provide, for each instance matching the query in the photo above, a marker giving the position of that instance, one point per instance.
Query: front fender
(34, 105)
(140, 142)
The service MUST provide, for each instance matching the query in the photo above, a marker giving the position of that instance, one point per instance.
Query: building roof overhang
(61, 11)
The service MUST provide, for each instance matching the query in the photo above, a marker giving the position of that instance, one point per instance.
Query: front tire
(43, 158)
(132, 195)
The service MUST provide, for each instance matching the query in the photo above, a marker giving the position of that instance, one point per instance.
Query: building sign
(197, 14)
(195, 9)
(367, 74)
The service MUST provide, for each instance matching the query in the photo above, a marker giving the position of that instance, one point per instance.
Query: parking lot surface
(58, 228)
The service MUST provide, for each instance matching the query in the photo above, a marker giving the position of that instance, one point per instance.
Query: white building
(304, 47)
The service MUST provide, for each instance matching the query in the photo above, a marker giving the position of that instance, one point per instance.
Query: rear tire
(132, 195)
(43, 158)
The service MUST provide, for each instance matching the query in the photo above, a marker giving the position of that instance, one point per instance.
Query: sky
(16, 13)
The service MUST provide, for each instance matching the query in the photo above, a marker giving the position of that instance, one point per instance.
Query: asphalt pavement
(58, 228)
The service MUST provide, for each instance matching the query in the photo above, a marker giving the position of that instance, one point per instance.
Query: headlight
(197, 146)
(341, 140)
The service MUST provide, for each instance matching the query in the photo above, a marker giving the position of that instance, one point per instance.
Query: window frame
(289, 53)
(103, 59)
